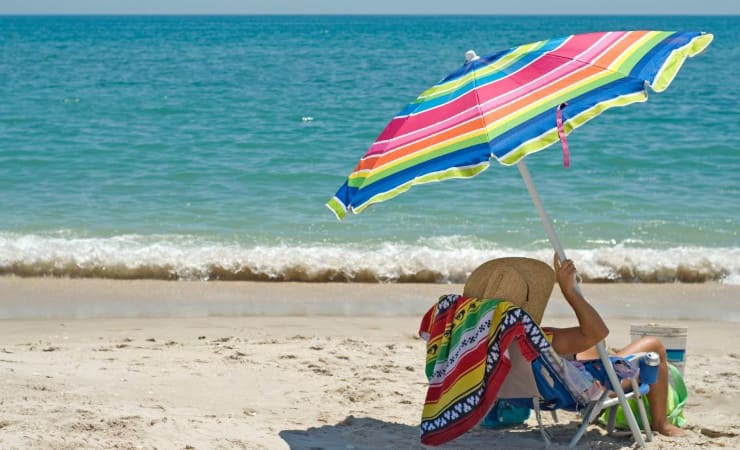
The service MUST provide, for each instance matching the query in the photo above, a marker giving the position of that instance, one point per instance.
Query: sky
(621, 7)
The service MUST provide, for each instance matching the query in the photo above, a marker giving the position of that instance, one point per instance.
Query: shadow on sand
(367, 433)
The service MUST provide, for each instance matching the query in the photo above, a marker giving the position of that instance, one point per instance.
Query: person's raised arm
(591, 327)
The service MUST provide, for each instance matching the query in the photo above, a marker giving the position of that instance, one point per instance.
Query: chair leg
(643, 413)
(598, 407)
(584, 424)
(538, 415)
(612, 422)
(604, 356)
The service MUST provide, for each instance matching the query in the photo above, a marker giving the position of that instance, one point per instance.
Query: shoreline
(65, 298)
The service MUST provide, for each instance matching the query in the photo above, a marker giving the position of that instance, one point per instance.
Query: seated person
(576, 342)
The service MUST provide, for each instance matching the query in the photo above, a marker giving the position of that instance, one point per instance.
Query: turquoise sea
(205, 147)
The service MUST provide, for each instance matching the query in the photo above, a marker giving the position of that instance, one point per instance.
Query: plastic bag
(677, 395)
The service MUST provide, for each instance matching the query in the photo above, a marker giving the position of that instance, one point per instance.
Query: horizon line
(222, 14)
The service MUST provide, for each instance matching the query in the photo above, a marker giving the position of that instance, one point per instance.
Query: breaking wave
(431, 260)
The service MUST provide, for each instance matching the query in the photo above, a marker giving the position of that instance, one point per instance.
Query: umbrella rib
(480, 116)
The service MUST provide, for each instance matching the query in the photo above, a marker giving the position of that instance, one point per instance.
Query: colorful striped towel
(466, 361)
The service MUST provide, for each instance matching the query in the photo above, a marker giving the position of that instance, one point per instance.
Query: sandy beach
(175, 365)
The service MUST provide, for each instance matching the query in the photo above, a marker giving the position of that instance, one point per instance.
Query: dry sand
(302, 375)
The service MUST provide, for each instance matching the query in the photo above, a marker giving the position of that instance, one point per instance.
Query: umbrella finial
(471, 56)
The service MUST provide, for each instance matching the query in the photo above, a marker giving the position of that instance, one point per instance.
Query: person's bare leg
(658, 395)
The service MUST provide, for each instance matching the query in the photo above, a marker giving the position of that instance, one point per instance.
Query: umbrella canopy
(509, 104)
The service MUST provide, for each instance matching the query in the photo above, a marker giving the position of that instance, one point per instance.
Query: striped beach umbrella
(509, 104)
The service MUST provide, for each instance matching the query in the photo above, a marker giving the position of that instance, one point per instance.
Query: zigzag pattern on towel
(465, 363)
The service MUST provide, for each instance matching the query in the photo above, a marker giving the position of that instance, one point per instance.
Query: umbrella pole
(549, 229)
(601, 346)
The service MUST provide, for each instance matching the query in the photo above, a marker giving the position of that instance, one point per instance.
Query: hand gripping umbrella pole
(601, 346)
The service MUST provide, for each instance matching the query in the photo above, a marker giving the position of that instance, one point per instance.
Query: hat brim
(538, 276)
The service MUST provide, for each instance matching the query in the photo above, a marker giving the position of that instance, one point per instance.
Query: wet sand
(49, 298)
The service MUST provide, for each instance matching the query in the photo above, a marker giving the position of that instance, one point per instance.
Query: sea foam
(432, 260)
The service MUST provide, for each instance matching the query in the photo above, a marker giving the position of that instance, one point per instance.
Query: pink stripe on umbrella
(458, 111)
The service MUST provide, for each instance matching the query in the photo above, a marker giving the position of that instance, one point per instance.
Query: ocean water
(193, 147)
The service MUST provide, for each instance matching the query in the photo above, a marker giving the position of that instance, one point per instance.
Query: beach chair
(527, 283)
(549, 383)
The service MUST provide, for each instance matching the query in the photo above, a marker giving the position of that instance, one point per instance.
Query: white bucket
(673, 338)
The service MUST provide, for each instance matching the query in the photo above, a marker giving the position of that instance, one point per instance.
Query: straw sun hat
(524, 282)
